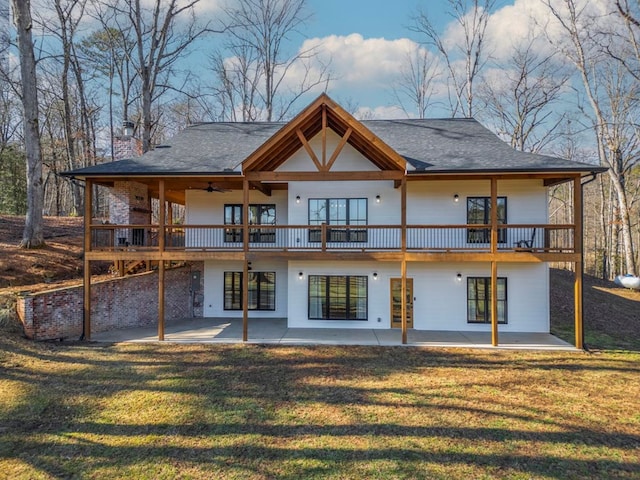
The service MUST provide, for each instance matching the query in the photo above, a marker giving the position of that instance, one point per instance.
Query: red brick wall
(130, 301)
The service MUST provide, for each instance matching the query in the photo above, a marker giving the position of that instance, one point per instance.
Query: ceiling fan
(211, 189)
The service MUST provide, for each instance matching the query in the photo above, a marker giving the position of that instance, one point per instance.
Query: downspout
(582, 184)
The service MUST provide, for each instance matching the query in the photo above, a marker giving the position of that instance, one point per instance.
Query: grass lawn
(232, 411)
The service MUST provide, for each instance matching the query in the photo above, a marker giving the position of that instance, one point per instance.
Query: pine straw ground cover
(232, 411)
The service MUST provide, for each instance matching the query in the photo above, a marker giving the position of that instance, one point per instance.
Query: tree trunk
(625, 223)
(32, 236)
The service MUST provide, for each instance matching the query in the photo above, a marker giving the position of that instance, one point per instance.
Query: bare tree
(464, 61)
(162, 35)
(108, 51)
(415, 82)
(631, 57)
(68, 16)
(12, 162)
(32, 236)
(237, 83)
(610, 98)
(258, 31)
(521, 101)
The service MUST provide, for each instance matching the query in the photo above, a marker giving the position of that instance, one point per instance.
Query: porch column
(245, 269)
(161, 300)
(161, 217)
(403, 288)
(577, 242)
(403, 302)
(494, 303)
(86, 312)
(403, 213)
(494, 264)
(161, 226)
(494, 215)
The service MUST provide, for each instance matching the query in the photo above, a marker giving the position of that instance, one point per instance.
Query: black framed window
(338, 297)
(259, 214)
(262, 291)
(479, 211)
(345, 213)
(479, 300)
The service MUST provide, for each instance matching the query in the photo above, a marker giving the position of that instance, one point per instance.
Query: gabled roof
(424, 146)
(321, 114)
(462, 145)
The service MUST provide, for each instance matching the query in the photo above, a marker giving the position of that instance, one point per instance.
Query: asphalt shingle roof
(428, 145)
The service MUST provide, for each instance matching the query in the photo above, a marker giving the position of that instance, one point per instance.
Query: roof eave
(82, 176)
(585, 169)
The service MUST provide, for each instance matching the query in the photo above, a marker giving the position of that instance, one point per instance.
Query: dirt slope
(58, 262)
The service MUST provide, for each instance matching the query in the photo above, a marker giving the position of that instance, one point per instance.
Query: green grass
(232, 411)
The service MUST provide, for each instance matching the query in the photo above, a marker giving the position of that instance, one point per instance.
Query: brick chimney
(126, 145)
(129, 202)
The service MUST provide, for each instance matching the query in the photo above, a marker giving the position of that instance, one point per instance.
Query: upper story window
(346, 212)
(259, 214)
(479, 212)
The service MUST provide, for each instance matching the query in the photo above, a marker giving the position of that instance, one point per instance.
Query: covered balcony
(470, 238)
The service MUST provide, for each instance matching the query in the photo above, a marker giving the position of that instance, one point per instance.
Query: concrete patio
(275, 331)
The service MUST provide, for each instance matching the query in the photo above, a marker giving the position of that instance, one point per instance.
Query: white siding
(350, 160)
(204, 208)
(387, 212)
(214, 288)
(440, 301)
(432, 202)
(378, 292)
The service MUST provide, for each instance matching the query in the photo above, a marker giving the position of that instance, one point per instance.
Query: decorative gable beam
(309, 150)
(339, 148)
(324, 136)
(319, 116)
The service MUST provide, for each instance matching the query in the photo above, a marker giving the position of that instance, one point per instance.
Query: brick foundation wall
(130, 301)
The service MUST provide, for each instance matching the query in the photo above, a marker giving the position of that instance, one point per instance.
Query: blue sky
(367, 43)
(367, 36)
(374, 19)
(371, 18)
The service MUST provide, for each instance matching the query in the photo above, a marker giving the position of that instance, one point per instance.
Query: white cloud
(526, 19)
(362, 68)
(380, 113)
(202, 7)
(361, 62)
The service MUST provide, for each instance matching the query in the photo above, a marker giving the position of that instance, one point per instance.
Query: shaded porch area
(275, 331)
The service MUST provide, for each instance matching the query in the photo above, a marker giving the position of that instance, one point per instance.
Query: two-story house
(333, 222)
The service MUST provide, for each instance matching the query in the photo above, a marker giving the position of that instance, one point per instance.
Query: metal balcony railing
(362, 238)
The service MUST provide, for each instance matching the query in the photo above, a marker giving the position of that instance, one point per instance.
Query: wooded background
(569, 88)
